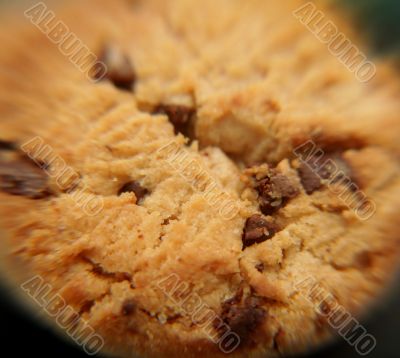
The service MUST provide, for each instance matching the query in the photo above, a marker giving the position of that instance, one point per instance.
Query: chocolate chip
(257, 230)
(128, 307)
(275, 190)
(136, 188)
(260, 267)
(242, 318)
(21, 176)
(7, 145)
(120, 69)
(178, 115)
(310, 181)
(324, 167)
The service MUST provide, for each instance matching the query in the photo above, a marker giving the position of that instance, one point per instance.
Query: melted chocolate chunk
(330, 166)
(128, 307)
(243, 318)
(136, 188)
(274, 192)
(310, 181)
(6, 145)
(178, 115)
(21, 176)
(120, 69)
(257, 230)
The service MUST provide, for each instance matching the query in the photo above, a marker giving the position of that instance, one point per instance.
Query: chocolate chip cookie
(213, 182)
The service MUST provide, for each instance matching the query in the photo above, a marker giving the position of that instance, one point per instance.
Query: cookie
(216, 183)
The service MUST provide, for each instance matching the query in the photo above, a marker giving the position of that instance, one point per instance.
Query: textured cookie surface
(226, 160)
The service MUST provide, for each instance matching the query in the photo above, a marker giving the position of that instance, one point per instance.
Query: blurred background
(21, 334)
(379, 20)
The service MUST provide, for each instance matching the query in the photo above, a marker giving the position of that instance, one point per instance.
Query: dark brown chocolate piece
(310, 181)
(128, 307)
(324, 167)
(7, 145)
(178, 115)
(21, 176)
(120, 70)
(274, 192)
(257, 229)
(243, 318)
(136, 188)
